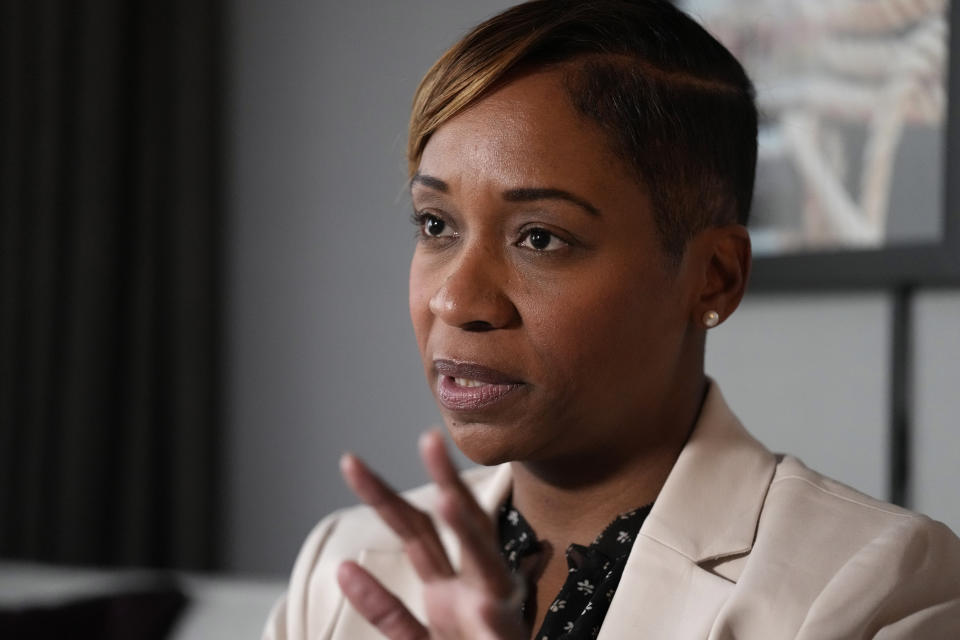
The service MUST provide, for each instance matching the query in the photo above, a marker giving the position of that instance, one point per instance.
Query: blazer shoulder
(830, 561)
(794, 482)
(820, 507)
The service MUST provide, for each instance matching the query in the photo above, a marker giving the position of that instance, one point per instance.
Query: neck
(563, 507)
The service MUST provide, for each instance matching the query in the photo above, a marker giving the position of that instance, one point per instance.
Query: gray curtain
(110, 233)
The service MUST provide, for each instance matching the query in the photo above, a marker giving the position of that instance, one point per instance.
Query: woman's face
(549, 320)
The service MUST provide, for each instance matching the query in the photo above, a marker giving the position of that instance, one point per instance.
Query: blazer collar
(707, 510)
(710, 504)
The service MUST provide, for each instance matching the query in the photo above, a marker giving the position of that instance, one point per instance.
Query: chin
(484, 444)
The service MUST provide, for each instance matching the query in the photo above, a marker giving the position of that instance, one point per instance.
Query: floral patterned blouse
(579, 609)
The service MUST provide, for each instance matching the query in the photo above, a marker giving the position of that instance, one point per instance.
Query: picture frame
(852, 262)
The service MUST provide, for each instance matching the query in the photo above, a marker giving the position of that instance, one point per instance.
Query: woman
(581, 174)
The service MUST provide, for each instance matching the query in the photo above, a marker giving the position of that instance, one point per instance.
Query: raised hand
(481, 602)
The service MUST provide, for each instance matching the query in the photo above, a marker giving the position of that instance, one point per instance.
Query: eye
(431, 226)
(541, 240)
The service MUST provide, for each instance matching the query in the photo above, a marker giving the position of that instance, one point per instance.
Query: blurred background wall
(320, 354)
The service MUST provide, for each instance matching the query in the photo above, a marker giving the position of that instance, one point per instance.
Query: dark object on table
(146, 613)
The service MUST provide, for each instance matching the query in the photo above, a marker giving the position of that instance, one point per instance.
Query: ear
(722, 259)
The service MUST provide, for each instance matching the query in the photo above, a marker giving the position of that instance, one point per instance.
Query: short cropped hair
(675, 105)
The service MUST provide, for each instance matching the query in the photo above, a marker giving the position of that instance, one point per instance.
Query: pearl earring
(711, 319)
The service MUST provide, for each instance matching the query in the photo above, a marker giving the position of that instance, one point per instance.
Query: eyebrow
(523, 194)
(429, 181)
(534, 194)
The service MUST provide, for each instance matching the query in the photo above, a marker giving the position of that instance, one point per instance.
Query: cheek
(419, 299)
(616, 332)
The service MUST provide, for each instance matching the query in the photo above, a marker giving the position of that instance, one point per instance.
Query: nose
(473, 295)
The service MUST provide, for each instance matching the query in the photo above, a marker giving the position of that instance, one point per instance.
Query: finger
(416, 530)
(381, 608)
(480, 558)
(500, 622)
(433, 451)
(456, 610)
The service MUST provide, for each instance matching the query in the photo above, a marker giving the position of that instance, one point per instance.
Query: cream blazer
(740, 543)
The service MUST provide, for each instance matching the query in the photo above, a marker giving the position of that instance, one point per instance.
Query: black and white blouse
(594, 571)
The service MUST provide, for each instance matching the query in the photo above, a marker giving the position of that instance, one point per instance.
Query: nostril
(477, 325)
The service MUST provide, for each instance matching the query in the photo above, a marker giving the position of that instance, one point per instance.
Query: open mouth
(463, 386)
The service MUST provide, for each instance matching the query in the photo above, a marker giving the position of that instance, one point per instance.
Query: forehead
(526, 131)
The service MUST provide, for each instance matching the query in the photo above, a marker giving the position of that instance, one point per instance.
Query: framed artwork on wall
(858, 177)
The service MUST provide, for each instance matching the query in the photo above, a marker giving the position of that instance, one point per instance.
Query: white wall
(321, 357)
(936, 402)
(809, 375)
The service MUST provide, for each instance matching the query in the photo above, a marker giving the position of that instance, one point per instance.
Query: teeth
(467, 382)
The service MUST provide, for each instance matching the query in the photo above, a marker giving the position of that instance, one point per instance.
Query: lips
(467, 386)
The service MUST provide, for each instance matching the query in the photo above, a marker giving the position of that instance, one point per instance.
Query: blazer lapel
(663, 595)
(706, 514)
